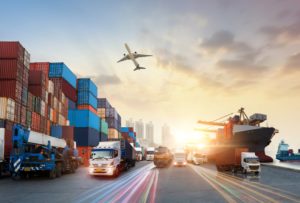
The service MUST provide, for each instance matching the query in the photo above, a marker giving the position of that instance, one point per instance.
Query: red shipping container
(30, 102)
(65, 87)
(35, 121)
(11, 69)
(48, 127)
(23, 115)
(68, 135)
(87, 107)
(37, 91)
(37, 77)
(50, 100)
(85, 153)
(17, 112)
(25, 77)
(11, 89)
(41, 66)
(11, 50)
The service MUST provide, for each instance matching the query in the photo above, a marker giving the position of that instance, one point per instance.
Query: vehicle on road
(36, 153)
(4, 159)
(110, 158)
(237, 159)
(179, 158)
(162, 157)
(199, 158)
(139, 153)
(150, 153)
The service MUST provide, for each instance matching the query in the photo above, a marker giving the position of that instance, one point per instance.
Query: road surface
(145, 183)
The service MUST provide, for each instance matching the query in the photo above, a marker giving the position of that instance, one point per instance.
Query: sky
(209, 57)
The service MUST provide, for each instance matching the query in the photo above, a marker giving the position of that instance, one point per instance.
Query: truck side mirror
(116, 154)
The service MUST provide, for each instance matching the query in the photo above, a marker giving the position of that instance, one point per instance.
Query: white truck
(139, 153)
(179, 158)
(250, 163)
(110, 158)
(199, 158)
(150, 153)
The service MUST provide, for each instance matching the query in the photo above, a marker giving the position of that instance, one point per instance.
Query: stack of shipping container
(48, 98)
(128, 134)
(111, 116)
(14, 68)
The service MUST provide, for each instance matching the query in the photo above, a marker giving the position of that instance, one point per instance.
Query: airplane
(133, 56)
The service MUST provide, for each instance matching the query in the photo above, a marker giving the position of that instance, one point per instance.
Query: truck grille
(254, 167)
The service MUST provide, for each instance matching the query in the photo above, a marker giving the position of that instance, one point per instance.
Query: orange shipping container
(85, 153)
(87, 107)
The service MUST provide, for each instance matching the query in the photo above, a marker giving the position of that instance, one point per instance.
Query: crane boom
(211, 123)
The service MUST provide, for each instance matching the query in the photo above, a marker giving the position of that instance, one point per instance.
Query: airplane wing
(141, 55)
(126, 57)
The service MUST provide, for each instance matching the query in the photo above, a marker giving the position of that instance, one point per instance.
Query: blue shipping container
(56, 131)
(86, 98)
(60, 70)
(71, 105)
(86, 137)
(112, 113)
(87, 85)
(125, 130)
(103, 103)
(103, 137)
(112, 123)
(84, 118)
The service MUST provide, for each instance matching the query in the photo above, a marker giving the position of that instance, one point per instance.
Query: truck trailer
(4, 160)
(110, 158)
(35, 154)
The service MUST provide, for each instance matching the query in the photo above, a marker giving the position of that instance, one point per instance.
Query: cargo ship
(243, 131)
(286, 154)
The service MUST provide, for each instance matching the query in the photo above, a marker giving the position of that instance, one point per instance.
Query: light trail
(244, 190)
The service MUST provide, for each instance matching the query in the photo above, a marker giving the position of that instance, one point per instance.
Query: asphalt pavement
(146, 183)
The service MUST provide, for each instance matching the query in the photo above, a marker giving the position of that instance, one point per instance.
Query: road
(145, 183)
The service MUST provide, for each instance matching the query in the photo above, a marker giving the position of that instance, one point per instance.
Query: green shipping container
(103, 126)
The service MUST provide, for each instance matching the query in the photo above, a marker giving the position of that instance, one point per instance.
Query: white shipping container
(2, 137)
(7, 108)
(55, 102)
(63, 98)
(43, 108)
(60, 107)
(46, 98)
(51, 114)
(51, 87)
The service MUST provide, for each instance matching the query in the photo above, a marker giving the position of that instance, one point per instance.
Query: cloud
(282, 35)
(292, 64)
(242, 68)
(225, 40)
(107, 80)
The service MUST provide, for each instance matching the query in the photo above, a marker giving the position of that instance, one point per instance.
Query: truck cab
(105, 161)
(111, 157)
(250, 163)
(199, 158)
(150, 153)
(180, 159)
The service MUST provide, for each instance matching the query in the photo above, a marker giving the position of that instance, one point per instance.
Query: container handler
(35, 154)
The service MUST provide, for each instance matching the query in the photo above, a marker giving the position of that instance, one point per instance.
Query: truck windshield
(252, 160)
(150, 152)
(102, 154)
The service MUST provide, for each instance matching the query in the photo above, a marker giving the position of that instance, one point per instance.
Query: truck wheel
(116, 172)
(52, 173)
(58, 170)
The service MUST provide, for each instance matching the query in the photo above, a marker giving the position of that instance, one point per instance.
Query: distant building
(130, 123)
(139, 129)
(150, 133)
(166, 136)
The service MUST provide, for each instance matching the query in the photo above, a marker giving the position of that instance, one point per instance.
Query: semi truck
(150, 153)
(110, 158)
(162, 157)
(237, 159)
(36, 153)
